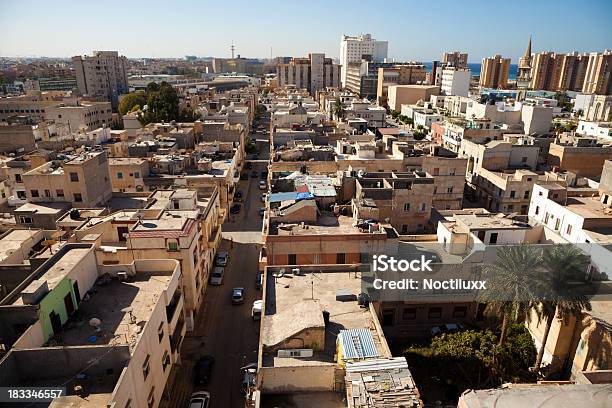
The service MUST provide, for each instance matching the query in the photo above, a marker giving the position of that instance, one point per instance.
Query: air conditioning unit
(295, 353)
(122, 276)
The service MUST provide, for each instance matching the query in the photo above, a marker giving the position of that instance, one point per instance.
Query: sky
(416, 30)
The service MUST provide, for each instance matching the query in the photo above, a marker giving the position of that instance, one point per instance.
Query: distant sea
(475, 68)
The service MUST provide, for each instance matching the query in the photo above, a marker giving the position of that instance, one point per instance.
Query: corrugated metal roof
(378, 364)
(357, 344)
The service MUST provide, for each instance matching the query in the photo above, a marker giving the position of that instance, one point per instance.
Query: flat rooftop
(325, 225)
(588, 207)
(122, 307)
(294, 302)
(470, 222)
(167, 221)
(123, 161)
(14, 240)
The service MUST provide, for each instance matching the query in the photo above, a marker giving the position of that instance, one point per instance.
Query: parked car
(262, 211)
(264, 197)
(446, 328)
(244, 176)
(256, 310)
(263, 185)
(238, 296)
(264, 174)
(199, 399)
(222, 258)
(203, 370)
(216, 277)
(248, 165)
(249, 375)
(235, 209)
(259, 281)
(238, 195)
(254, 174)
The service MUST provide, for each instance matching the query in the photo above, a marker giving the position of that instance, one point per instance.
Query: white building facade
(354, 49)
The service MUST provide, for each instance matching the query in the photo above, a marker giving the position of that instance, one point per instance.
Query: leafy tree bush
(131, 100)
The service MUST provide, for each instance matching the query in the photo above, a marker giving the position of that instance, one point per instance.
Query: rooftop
(325, 225)
(588, 207)
(14, 240)
(122, 307)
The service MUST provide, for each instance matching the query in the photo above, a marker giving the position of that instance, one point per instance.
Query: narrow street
(224, 330)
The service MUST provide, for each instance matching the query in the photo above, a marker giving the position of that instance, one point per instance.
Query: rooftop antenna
(232, 48)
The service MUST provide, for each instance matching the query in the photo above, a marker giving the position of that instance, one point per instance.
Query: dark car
(238, 296)
(203, 370)
(248, 165)
(259, 281)
(254, 174)
(235, 208)
(238, 195)
(244, 176)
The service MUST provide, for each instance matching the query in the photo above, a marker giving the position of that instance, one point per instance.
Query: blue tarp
(304, 196)
(278, 197)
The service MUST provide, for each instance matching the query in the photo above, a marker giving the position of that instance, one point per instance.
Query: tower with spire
(523, 78)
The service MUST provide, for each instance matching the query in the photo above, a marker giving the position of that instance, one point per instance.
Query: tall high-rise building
(313, 73)
(456, 59)
(523, 78)
(102, 75)
(558, 72)
(494, 72)
(598, 77)
(354, 49)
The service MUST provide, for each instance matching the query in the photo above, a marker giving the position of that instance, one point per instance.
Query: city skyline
(261, 32)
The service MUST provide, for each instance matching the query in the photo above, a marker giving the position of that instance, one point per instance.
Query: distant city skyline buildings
(253, 38)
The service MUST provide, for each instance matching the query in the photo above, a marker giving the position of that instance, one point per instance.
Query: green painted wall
(54, 301)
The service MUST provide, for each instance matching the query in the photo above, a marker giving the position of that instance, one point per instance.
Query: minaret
(523, 78)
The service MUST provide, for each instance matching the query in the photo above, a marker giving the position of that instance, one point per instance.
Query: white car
(199, 399)
(264, 197)
(222, 258)
(216, 278)
(256, 310)
(263, 185)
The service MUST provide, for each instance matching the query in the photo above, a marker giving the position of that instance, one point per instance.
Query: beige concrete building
(313, 73)
(127, 173)
(102, 75)
(494, 72)
(456, 59)
(17, 138)
(598, 78)
(399, 95)
(132, 326)
(82, 116)
(83, 180)
(581, 155)
(399, 74)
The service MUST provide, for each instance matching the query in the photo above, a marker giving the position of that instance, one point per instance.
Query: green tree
(564, 263)
(512, 284)
(162, 104)
(130, 100)
(337, 109)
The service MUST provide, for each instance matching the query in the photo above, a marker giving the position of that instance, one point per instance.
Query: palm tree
(337, 108)
(511, 284)
(564, 263)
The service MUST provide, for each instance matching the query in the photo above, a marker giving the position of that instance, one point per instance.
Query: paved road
(224, 330)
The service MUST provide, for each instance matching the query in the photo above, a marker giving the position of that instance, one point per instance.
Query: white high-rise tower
(354, 49)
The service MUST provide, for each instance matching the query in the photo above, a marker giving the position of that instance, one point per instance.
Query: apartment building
(596, 108)
(398, 74)
(456, 59)
(131, 325)
(494, 72)
(293, 327)
(455, 81)
(584, 156)
(127, 173)
(102, 75)
(313, 73)
(598, 78)
(81, 116)
(405, 200)
(558, 72)
(82, 180)
(17, 139)
(357, 48)
(398, 95)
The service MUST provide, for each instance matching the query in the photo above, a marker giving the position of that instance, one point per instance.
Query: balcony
(214, 238)
(174, 309)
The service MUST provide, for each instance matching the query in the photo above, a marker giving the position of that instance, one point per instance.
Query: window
(409, 313)
(78, 198)
(449, 190)
(47, 193)
(451, 172)
(341, 258)
(526, 195)
(165, 360)
(510, 207)
(423, 206)
(128, 404)
(151, 398)
(160, 331)
(537, 210)
(74, 177)
(18, 178)
(34, 193)
(460, 311)
(136, 174)
(493, 238)
(119, 175)
(557, 224)
(406, 206)
(25, 220)
(569, 229)
(436, 171)
(524, 159)
(291, 259)
(172, 246)
(434, 313)
(145, 367)
(512, 194)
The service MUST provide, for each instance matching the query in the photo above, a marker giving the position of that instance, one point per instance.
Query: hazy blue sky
(416, 30)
